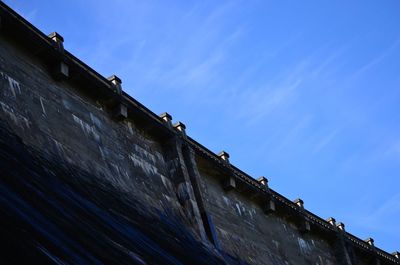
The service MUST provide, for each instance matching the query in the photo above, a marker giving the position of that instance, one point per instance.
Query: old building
(91, 176)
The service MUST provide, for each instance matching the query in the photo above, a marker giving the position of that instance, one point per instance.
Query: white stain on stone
(222, 232)
(321, 262)
(238, 208)
(276, 243)
(169, 199)
(87, 129)
(52, 257)
(159, 156)
(304, 247)
(148, 168)
(13, 84)
(42, 104)
(96, 121)
(251, 215)
(166, 182)
(66, 104)
(226, 200)
(130, 127)
(59, 147)
(18, 119)
(116, 177)
(145, 154)
(102, 153)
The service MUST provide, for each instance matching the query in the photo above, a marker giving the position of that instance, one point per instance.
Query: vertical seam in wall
(205, 216)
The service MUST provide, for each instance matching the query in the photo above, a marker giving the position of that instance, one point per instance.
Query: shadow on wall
(52, 213)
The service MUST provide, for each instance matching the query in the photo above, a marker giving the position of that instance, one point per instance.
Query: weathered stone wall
(52, 117)
(244, 230)
(143, 156)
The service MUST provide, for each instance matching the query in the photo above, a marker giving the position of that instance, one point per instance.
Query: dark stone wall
(69, 144)
(51, 116)
(244, 230)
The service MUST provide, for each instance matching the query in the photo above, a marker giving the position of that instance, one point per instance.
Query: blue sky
(306, 93)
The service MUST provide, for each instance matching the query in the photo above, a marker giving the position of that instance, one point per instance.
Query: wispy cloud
(325, 64)
(288, 137)
(376, 60)
(30, 15)
(281, 91)
(326, 140)
(198, 71)
(27, 13)
(393, 150)
(384, 218)
(257, 103)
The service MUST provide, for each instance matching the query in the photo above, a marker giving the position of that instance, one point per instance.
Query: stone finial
(396, 254)
(331, 220)
(341, 226)
(224, 156)
(263, 181)
(166, 117)
(370, 241)
(299, 202)
(58, 39)
(116, 82)
(180, 127)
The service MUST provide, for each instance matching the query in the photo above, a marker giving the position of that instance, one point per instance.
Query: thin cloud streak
(325, 141)
(375, 61)
(387, 213)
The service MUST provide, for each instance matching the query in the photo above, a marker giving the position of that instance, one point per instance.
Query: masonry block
(305, 226)
(269, 206)
(120, 112)
(229, 183)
